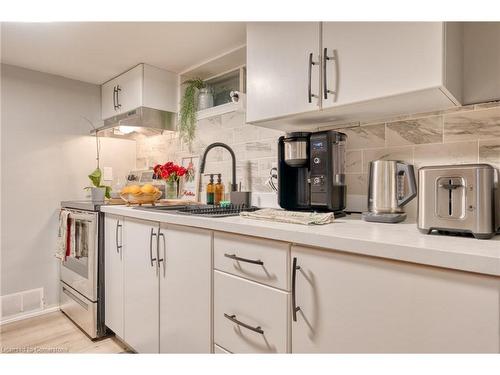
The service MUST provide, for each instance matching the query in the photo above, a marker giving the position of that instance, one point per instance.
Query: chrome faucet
(234, 187)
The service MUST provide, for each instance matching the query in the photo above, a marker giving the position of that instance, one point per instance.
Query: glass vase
(171, 189)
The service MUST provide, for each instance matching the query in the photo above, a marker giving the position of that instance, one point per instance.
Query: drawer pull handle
(236, 321)
(75, 298)
(235, 257)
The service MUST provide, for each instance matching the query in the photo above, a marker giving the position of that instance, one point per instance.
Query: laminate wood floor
(52, 333)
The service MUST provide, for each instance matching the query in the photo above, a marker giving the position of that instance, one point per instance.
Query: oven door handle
(78, 215)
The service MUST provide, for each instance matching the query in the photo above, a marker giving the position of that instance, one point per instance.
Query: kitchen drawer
(274, 256)
(79, 309)
(219, 350)
(254, 305)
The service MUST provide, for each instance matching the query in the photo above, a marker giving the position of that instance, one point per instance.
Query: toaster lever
(450, 186)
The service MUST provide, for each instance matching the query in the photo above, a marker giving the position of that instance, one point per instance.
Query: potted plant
(171, 173)
(98, 191)
(189, 106)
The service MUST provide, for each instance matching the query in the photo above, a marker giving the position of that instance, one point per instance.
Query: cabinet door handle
(118, 247)
(118, 89)
(310, 95)
(115, 98)
(151, 247)
(295, 308)
(232, 318)
(162, 260)
(237, 258)
(327, 58)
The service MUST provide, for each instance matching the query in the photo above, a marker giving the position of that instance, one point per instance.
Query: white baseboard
(30, 314)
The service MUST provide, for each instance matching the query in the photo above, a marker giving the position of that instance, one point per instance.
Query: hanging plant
(96, 175)
(189, 106)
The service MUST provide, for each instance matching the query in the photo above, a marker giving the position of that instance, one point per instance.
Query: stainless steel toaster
(459, 199)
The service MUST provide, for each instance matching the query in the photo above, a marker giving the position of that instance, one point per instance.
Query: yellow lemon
(148, 189)
(125, 190)
(134, 189)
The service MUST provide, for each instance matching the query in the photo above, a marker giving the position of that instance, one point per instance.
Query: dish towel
(62, 235)
(293, 217)
(71, 238)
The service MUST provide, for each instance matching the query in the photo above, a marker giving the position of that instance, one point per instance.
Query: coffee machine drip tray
(383, 218)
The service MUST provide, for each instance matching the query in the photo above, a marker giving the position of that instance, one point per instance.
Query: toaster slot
(450, 198)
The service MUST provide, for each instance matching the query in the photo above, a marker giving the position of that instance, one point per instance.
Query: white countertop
(351, 234)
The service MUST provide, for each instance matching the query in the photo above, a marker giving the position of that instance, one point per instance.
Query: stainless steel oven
(82, 277)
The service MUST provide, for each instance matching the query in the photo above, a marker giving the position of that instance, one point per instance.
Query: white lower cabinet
(185, 289)
(141, 286)
(113, 273)
(173, 289)
(249, 317)
(158, 291)
(351, 303)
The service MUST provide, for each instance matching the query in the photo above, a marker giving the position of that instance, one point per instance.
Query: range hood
(140, 121)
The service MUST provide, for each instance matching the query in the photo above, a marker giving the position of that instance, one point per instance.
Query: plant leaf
(95, 177)
(187, 115)
(107, 193)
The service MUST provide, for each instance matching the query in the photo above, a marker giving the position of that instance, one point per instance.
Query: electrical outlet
(107, 174)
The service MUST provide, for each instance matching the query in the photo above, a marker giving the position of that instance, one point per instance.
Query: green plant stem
(189, 106)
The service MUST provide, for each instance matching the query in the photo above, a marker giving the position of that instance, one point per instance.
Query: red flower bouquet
(169, 171)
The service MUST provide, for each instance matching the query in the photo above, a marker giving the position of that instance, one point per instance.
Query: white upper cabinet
(366, 70)
(481, 62)
(142, 86)
(278, 69)
(369, 60)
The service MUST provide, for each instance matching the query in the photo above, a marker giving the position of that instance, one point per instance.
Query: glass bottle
(218, 190)
(210, 190)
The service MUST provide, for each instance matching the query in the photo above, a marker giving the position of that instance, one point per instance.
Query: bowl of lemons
(135, 194)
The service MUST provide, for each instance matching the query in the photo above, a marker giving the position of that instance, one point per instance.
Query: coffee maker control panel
(318, 168)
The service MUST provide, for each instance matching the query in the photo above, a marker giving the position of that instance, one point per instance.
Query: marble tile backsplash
(468, 134)
(255, 149)
(461, 135)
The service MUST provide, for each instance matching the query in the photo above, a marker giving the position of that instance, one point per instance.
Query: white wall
(46, 155)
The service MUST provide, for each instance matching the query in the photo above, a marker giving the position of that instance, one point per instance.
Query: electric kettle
(391, 186)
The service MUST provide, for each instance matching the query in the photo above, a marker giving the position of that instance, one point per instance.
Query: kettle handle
(407, 169)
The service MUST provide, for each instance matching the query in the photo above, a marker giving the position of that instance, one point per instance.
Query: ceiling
(98, 51)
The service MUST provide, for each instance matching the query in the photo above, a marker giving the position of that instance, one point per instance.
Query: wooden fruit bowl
(141, 199)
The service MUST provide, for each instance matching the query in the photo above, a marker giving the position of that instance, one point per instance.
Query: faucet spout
(233, 158)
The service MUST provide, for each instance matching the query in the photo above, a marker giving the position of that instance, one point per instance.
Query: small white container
(98, 194)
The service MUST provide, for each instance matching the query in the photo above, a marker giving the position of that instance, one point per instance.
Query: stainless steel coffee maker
(391, 186)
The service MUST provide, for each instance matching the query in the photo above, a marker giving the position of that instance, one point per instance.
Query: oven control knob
(316, 160)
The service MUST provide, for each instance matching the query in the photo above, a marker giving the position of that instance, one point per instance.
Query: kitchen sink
(216, 211)
(203, 210)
